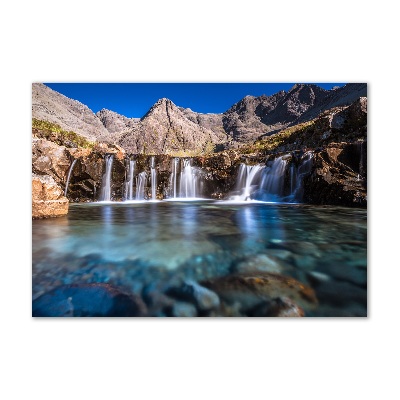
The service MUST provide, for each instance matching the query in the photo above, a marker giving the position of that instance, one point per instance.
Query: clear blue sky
(135, 99)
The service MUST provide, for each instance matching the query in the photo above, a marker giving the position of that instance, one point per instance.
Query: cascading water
(297, 177)
(247, 180)
(173, 178)
(189, 183)
(267, 183)
(106, 181)
(140, 185)
(273, 180)
(153, 178)
(129, 180)
(186, 183)
(69, 176)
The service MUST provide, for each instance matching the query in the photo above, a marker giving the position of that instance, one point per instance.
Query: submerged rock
(341, 294)
(181, 309)
(203, 298)
(281, 307)
(251, 289)
(259, 262)
(353, 274)
(285, 307)
(88, 300)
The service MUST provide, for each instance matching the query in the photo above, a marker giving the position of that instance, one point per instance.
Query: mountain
(253, 117)
(71, 115)
(114, 122)
(343, 96)
(208, 121)
(167, 128)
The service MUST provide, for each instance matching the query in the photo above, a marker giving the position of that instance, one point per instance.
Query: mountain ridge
(168, 128)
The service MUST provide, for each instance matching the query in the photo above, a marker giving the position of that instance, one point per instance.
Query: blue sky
(135, 99)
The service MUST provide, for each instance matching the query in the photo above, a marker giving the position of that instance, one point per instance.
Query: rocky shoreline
(338, 174)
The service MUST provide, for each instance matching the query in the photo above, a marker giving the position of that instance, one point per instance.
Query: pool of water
(134, 245)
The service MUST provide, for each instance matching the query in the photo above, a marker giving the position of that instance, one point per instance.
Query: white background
(212, 41)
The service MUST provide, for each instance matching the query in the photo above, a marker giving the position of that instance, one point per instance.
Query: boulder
(49, 158)
(338, 176)
(251, 289)
(47, 198)
(88, 300)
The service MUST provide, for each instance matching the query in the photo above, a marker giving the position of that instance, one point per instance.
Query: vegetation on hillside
(307, 135)
(54, 133)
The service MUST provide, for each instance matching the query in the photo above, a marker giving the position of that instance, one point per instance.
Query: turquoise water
(157, 243)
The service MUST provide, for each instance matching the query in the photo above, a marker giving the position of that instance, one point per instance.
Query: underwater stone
(203, 298)
(280, 307)
(252, 288)
(258, 262)
(180, 309)
(88, 300)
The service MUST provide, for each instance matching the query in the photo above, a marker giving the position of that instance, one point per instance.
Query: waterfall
(140, 185)
(106, 182)
(153, 178)
(272, 183)
(247, 180)
(189, 180)
(173, 177)
(69, 175)
(269, 183)
(297, 177)
(129, 180)
(185, 180)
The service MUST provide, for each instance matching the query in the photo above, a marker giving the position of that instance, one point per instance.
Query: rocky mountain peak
(114, 122)
(163, 109)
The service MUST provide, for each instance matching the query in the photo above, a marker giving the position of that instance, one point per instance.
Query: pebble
(204, 299)
(319, 276)
(180, 309)
(259, 262)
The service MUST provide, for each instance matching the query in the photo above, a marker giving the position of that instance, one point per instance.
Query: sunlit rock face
(47, 198)
(48, 158)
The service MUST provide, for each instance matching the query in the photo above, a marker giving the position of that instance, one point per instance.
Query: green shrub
(54, 133)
